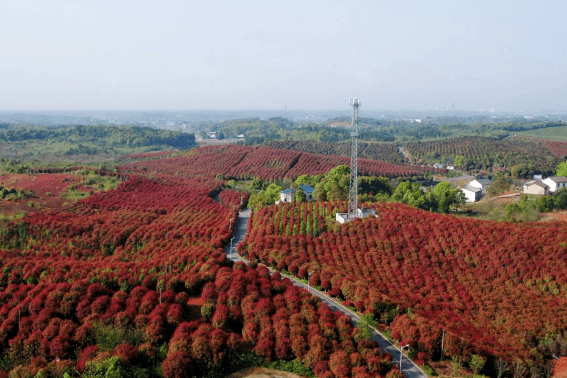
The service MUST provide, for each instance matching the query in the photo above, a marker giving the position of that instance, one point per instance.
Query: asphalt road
(409, 369)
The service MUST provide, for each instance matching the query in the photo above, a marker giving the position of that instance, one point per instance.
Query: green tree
(446, 197)
(460, 161)
(300, 195)
(410, 194)
(561, 169)
(308, 180)
(375, 185)
(520, 170)
(334, 185)
(546, 204)
(530, 208)
(513, 211)
(338, 172)
(273, 193)
(257, 200)
(560, 199)
(112, 367)
(498, 186)
(455, 365)
(257, 184)
(476, 363)
(365, 325)
(442, 188)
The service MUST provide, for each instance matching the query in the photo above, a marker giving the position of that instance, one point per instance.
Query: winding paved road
(409, 369)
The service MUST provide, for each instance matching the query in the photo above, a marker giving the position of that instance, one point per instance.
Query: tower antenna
(353, 210)
(353, 187)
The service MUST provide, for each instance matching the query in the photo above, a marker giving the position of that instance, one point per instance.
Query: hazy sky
(306, 54)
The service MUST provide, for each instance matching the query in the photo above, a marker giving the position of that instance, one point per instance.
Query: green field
(556, 133)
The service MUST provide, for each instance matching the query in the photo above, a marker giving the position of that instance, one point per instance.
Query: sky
(271, 55)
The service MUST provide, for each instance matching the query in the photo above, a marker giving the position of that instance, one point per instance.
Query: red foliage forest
(387, 152)
(496, 289)
(145, 261)
(266, 163)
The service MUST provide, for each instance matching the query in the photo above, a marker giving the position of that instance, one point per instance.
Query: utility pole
(402, 354)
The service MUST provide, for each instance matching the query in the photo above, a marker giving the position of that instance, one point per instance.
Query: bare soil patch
(560, 370)
(505, 200)
(261, 372)
(558, 216)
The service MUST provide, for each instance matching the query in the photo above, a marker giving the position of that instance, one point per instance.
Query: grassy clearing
(67, 151)
(89, 184)
(555, 133)
(11, 217)
(96, 182)
(489, 210)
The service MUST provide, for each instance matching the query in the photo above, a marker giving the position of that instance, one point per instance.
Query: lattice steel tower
(353, 187)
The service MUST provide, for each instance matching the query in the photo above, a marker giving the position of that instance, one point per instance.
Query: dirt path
(260, 372)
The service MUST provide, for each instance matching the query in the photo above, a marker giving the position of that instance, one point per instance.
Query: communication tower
(353, 210)
(353, 187)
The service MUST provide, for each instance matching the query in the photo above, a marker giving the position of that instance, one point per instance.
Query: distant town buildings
(412, 120)
(446, 106)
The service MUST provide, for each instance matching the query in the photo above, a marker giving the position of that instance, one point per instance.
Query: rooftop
(558, 178)
(473, 189)
(484, 181)
(536, 182)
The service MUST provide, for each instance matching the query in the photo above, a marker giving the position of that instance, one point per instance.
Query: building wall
(471, 196)
(552, 185)
(286, 197)
(535, 189)
(291, 196)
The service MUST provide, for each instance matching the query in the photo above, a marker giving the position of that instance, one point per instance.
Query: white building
(472, 193)
(288, 195)
(536, 187)
(482, 184)
(555, 183)
(360, 213)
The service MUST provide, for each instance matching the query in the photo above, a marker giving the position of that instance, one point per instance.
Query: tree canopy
(561, 169)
